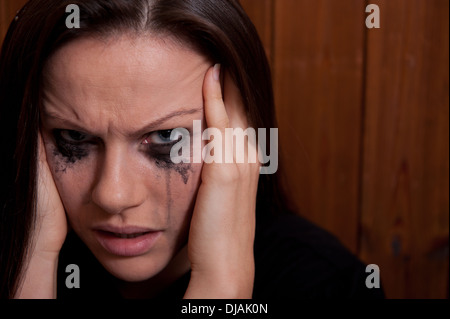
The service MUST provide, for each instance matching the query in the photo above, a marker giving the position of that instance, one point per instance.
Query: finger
(215, 113)
(234, 104)
(216, 119)
(237, 115)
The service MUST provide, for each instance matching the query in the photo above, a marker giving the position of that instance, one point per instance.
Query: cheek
(181, 186)
(72, 179)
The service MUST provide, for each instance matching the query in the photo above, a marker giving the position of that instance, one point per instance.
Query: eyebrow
(146, 129)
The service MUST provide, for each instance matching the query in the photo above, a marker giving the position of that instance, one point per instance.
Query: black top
(293, 259)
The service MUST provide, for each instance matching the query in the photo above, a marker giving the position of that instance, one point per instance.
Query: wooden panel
(8, 10)
(405, 207)
(261, 14)
(318, 84)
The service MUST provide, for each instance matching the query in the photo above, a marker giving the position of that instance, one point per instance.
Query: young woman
(86, 119)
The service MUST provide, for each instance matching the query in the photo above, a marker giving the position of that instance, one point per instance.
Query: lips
(129, 241)
(128, 236)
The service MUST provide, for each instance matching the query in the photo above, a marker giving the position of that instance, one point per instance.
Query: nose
(116, 188)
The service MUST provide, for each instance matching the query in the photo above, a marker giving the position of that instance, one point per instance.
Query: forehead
(140, 78)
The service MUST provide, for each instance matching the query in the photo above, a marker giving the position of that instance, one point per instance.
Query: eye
(163, 137)
(72, 136)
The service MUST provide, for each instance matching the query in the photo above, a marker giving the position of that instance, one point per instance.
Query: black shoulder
(296, 259)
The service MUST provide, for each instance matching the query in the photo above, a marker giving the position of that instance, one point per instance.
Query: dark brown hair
(220, 29)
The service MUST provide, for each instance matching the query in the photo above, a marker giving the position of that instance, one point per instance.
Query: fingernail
(216, 72)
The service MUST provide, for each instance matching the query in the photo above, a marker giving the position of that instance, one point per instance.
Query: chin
(134, 269)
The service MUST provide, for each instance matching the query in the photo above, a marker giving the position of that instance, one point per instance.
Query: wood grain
(8, 10)
(318, 86)
(261, 14)
(405, 207)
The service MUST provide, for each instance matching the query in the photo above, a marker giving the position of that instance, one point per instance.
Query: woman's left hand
(222, 231)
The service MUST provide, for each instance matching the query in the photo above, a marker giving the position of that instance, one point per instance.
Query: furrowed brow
(146, 129)
(157, 123)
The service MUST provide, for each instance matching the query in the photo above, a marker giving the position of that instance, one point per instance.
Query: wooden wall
(8, 10)
(364, 127)
(405, 181)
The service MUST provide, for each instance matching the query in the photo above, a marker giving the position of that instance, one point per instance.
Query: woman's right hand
(47, 238)
(51, 222)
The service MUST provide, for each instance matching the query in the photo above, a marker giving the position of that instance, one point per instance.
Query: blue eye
(163, 137)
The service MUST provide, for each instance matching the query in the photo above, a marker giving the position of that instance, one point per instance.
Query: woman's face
(108, 108)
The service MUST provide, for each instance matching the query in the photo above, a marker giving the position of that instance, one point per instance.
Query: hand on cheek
(48, 235)
(51, 217)
(222, 229)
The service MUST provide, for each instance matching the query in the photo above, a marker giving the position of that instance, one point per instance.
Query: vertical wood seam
(362, 137)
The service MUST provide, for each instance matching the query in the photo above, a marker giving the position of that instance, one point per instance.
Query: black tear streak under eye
(60, 163)
(183, 169)
(71, 153)
(169, 197)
